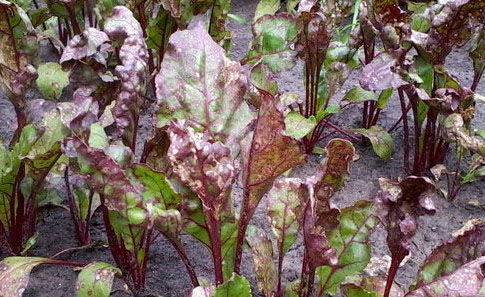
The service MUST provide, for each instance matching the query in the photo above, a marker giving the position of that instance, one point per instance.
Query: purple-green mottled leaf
(399, 205)
(380, 139)
(448, 257)
(14, 274)
(320, 214)
(268, 154)
(350, 239)
(285, 211)
(95, 280)
(451, 27)
(263, 264)
(121, 26)
(217, 23)
(202, 164)
(199, 84)
(17, 45)
(91, 46)
(273, 40)
(380, 75)
(463, 282)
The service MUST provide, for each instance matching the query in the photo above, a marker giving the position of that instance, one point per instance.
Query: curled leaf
(91, 46)
(380, 139)
(463, 282)
(445, 259)
(455, 131)
(202, 164)
(122, 26)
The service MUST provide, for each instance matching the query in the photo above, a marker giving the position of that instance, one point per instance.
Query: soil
(166, 273)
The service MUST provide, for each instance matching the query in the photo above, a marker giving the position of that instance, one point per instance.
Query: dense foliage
(216, 119)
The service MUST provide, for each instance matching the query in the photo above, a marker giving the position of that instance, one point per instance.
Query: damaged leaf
(199, 84)
(96, 279)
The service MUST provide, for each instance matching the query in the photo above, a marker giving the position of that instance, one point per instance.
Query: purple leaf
(121, 26)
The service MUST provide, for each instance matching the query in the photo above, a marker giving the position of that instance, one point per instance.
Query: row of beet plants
(215, 119)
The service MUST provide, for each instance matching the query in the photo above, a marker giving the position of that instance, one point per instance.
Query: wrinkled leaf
(122, 27)
(452, 255)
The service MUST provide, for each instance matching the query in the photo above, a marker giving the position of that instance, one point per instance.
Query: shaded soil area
(166, 273)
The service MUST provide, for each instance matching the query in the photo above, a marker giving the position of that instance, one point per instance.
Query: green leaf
(236, 286)
(159, 30)
(261, 78)
(240, 20)
(297, 126)
(52, 80)
(95, 280)
(272, 40)
(351, 241)
(264, 266)
(381, 141)
(426, 73)
(266, 7)
(350, 290)
(97, 137)
(384, 98)
(331, 109)
(358, 94)
(14, 274)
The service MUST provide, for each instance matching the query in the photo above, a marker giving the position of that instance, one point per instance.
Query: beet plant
(220, 125)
